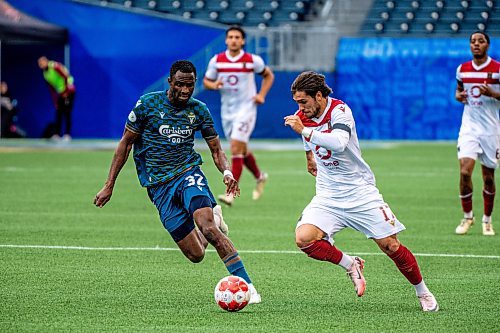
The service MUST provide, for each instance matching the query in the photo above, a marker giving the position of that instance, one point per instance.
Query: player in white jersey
(233, 73)
(346, 195)
(479, 138)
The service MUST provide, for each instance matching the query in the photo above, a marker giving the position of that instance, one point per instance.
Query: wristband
(307, 133)
(228, 173)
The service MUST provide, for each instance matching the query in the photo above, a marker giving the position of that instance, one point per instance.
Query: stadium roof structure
(19, 28)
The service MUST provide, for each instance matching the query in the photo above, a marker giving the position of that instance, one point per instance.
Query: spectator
(9, 111)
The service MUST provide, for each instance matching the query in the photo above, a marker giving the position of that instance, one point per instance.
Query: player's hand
(232, 186)
(295, 123)
(103, 196)
(461, 96)
(218, 84)
(486, 90)
(259, 99)
(312, 168)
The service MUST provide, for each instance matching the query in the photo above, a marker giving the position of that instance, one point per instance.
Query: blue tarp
(403, 88)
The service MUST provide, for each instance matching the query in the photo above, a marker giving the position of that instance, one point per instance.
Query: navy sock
(235, 266)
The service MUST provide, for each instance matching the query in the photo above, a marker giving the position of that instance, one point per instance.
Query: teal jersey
(165, 147)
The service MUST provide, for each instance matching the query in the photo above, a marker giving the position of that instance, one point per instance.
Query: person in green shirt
(62, 89)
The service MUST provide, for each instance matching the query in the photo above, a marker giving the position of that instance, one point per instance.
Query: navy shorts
(173, 198)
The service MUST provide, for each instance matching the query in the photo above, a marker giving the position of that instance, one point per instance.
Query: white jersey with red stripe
(340, 176)
(481, 113)
(238, 78)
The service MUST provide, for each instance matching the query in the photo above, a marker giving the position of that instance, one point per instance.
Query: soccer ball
(231, 293)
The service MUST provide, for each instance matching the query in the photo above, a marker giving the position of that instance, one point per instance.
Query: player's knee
(305, 237)
(195, 256)
(391, 246)
(465, 173)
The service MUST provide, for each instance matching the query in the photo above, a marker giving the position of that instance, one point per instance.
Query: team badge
(490, 75)
(191, 117)
(132, 117)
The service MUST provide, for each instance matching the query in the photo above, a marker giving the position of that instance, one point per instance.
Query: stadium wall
(114, 56)
(403, 88)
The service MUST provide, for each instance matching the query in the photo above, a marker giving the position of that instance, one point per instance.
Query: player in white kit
(233, 73)
(346, 195)
(479, 138)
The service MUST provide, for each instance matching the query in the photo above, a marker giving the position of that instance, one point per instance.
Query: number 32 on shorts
(195, 179)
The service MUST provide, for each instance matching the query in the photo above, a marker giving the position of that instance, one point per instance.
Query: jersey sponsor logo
(132, 117)
(191, 116)
(176, 135)
(323, 153)
(232, 80)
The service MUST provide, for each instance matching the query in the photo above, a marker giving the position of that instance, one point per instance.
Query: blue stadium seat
(145, 4)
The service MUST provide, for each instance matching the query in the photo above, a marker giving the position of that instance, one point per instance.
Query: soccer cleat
(259, 188)
(355, 273)
(227, 199)
(428, 303)
(464, 226)
(488, 229)
(219, 220)
(254, 295)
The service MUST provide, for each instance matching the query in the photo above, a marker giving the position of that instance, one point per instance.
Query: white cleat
(464, 226)
(355, 273)
(488, 229)
(428, 303)
(227, 199)
(254, 295)
(219, 220)
(259, 188)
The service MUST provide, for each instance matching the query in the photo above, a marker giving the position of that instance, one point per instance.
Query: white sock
(468, 215)
(346, 261)
(486, 219)
(421, 288)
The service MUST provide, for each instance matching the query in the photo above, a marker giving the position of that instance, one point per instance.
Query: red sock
(488, 199)
(466, 202)
(251, 164)
(324, 251)
(237, 167)
(407, 264)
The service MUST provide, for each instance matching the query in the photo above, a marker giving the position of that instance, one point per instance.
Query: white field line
(88, 248)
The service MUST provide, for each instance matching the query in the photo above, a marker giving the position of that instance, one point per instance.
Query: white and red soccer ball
(232, 293)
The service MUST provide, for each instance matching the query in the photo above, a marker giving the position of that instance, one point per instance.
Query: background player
(346, 195)
(479, 137)
(161, 129)
(232, 72)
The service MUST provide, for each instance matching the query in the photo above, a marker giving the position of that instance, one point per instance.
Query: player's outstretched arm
(222, 164)
(119, 159)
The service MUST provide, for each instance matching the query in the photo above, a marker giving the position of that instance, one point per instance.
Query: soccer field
(69, 266)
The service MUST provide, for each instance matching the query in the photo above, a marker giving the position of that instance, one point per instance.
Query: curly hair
(183, 66)
(310, 83)
(482, 33)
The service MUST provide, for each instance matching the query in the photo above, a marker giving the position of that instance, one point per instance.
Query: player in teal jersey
(161, 130)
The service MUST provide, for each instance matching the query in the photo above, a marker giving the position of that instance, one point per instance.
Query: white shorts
(373, 218)
(486, 148)
(240, 126)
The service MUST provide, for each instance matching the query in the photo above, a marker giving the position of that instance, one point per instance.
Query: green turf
(46, 196)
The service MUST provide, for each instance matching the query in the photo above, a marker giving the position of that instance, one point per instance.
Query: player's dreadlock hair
(310, 83)
(236, 28)
(184, 66)
(482, 33)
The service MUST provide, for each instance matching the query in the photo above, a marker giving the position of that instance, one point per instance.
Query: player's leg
(488, 198)
(466, 169)
(408, 266)
(198, 201)
(468, 151)
(312, 237)
(238, 149)
(204, 219)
